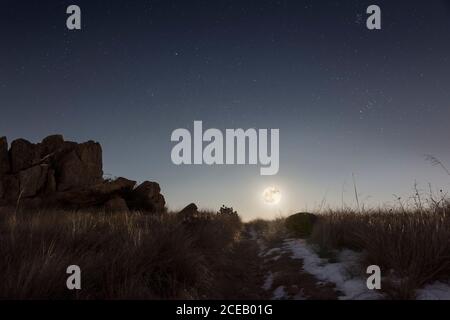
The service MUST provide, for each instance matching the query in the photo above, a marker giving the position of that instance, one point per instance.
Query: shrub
(301, 224)
(227, 211)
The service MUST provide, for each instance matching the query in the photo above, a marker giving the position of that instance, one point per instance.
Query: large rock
(81, 167)
(33, 180)
(90, 154)
(75, 199)
(147, 196)
(65, 174)
(189, 211)
(30, 203)
(50, 187)
(118, 186)
(4, 158)
(11, 188)
(116, 205)
(23, 155)
(52, 144)
(2, 191)
(94, 196)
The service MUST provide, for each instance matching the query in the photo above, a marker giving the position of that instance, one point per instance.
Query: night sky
(346, 99)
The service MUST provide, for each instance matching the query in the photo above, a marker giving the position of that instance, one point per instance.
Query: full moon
(272, 195)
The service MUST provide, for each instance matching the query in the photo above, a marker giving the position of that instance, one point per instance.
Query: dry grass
(271, 231)
(122, 256)
(132, 256)
(412, 247)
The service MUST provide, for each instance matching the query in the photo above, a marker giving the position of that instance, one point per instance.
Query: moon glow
(272, 195)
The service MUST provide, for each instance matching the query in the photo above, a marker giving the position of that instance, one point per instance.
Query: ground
(272, 273)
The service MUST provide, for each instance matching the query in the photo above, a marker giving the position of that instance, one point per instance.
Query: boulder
(52, 144)
(116, 204)
(94, 196)
(75, 199)
(81, 167)
(33, 180)
(56, 157)
(30, 203)
(11, 188)
(118, 186)
(4, 158)
(23, 155)
(51, 182)
(301, 224)
(2, 190)
(90, 154)
(147, 197)
(189, 211)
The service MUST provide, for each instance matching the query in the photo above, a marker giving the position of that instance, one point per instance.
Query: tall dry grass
(412, 246)
(273, 232)
(121, 256)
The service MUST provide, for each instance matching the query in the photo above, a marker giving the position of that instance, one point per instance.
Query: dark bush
(301, 224)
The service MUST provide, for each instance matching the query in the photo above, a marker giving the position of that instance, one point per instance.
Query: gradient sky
(346, 99)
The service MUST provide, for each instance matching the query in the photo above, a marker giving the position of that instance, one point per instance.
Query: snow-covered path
(344, 273)
(285, 277)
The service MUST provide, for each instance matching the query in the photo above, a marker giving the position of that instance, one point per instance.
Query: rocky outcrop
(33, 180)
(189, 211)
(11, 188)
(4, 158)
(147, 196)
(2, 193)
(116, 204)
(190, 216)
(58, 173)
(23, 154)
(4, 166)
(86, 158)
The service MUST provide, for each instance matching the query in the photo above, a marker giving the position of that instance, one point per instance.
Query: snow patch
(272, 251)
(279, 294)
(254, 236)
(340, 273)
(300, 295)
(435, 291)
(268, 281)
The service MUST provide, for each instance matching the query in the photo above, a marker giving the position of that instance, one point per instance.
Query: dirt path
(244, 276)
(276, 275)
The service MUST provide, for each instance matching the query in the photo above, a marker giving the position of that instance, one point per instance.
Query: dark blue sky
(346, 99)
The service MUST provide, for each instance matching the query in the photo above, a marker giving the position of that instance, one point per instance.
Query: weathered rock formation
(189, 211)
(58, 173)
